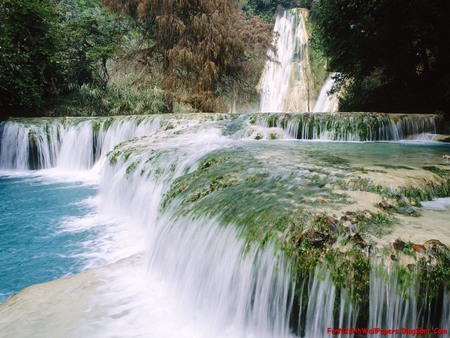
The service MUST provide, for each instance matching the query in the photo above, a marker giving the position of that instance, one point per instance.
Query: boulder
(399, 245)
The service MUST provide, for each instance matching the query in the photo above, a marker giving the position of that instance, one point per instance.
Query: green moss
(317, 61)
(409, 249)
(335, 160)
(405, 200)
(395, 167)
(259, 136)
(364, 184)
(131, 168)
(113, 157)
(438, 171)
(435, 277)
(377, 224)
(107, 122)
(96, 125)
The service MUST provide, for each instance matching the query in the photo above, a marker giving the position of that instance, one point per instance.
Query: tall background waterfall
(286, 84)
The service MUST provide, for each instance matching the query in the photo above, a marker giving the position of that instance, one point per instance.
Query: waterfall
(351, 126)
(325, 102)
(207, 266)
(236, 288)
(445, 320)
(67, 144)
(285, 83)
(389, 308)
(392, 306)
(78, 144)
(320, 313)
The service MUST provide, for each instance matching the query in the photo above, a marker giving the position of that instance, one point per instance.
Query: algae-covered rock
(317, 204)
(441, 138)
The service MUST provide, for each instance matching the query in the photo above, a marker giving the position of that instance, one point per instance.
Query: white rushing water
(285, 81)
(351, 126)
(326, 102)
(389, 308)
(67, 144)
(196, 279)
(168, 273)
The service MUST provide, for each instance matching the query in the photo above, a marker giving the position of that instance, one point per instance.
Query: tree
(28, 54)
(89, 37)
(209, 51)
(200, 45)
(266, 9)
(51, 48)
(390, 55)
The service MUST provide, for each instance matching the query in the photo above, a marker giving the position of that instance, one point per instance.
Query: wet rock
(358, 240)
(411, 267)
(419, 248)
(298, 240)
(316, 239)
(353, 227)
(346, 226)
(433, 244)
(367, 214)
(320, 200)
(344, 218)
(399, 245)
(442, 138)
(385, 205)
(333, 224)
(404, 200)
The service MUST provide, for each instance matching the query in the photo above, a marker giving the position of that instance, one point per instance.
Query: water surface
(35, 246)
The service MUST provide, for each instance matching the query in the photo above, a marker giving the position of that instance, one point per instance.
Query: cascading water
(78, 144)
(388, 307)
(285, 83)
(68, 144)
(250, 296)
(250, 293)
(200, 276)
(326, 102)
(351, 126)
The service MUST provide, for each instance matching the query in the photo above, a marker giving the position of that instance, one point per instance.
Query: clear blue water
(34, 248)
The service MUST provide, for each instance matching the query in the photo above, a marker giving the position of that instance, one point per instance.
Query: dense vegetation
(388, 55)
(267, 8)
(72, 57)
(28, 45)
(206, 50)
(107, 57)
(51, 51)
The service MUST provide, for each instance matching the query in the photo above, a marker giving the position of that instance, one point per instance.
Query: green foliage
(90, 36)
(95, 100)
(55, 57)
(388, 56)
(209, 56)
(266, 9)
(435, 277)
(317, 61)
(28, 53)
(409, 249)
